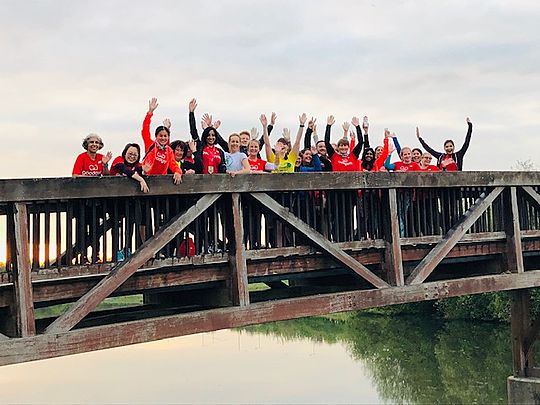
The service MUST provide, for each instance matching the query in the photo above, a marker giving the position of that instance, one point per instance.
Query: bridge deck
(199, 253)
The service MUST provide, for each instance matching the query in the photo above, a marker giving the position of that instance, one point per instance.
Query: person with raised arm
(342, 160)
(284, 159)
(370, 162)
(270, 126)
(406, 164)
(159, 155)
(257, 164)
(128, 164)
(320, 145)
(310, 161)
(449, 160)
(91, 163)
(212, 158)
(417, 155)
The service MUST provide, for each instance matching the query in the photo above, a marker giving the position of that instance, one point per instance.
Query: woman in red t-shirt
(91, 163)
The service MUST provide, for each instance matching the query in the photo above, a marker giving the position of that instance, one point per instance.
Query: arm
(396, 143)
(147, 139)
(265, 137)
(384, 155)
(465, 146)
(309, 131)
(221, 142)
(388, 165)
(435, 154)
(105, 160)
(296, 147)
(192, 122)
(329, 148)
(142, 182)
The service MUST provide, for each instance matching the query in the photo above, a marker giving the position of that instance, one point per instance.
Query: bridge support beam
(523, 390)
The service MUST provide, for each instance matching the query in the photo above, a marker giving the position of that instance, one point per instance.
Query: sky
(71, 67)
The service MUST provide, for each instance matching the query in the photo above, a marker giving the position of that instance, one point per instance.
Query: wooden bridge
(219, 252)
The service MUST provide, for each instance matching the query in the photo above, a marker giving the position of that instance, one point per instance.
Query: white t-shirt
(234, 161)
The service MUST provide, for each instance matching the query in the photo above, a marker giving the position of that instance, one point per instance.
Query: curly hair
(90, 136)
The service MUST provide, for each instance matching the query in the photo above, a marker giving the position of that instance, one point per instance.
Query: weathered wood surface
(519, 319)
(240, 289)
(13, 190)
(394, 260)
(24, 302)
(439, 252)
(320, 241)
(95, 338)
(122, 271)
(514, 254)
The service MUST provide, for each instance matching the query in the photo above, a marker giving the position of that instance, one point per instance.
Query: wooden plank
(102, 337)
(122, 271)
(519, 319)
(393, 259)
(12, 190)
(320, 241)
(514, 254)
(24, 302)
(240, 289)
(531, 334)
(428, 264)
(532, 195)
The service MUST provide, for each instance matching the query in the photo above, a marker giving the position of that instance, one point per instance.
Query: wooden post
(237, 258)
(24, 303)
(514, 254)
(519, 317)
(393, 259)
(122, 271)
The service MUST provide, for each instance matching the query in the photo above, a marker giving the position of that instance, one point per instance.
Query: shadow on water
(416, 359)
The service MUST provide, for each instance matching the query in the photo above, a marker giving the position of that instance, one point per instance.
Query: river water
(346, 358)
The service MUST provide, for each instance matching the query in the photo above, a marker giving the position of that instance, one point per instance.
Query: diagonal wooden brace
(439, 252)
(319, 240)
(122, 271)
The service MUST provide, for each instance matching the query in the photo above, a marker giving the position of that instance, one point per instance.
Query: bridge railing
(74, 222)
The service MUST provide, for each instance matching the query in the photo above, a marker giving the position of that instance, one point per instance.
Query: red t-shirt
(406, 167)
(85, 166)
(450, 167)
(430, 168)
(211, 158)
(120, 160)
(344, 163)
(257, 165)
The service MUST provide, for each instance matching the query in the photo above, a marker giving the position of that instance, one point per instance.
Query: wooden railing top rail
(16, 190)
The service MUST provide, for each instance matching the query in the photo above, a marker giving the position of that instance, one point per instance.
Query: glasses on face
(133, 155)
(95, 142)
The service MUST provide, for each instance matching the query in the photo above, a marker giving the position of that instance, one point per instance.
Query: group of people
(210, 153)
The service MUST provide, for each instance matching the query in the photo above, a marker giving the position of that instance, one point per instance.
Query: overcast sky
(72, 67)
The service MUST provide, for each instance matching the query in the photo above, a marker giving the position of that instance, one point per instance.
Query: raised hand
(204, 125)
(417, 133)
(273, 119)
(314, 150)
(302, 118)
(311, 123)
(365, 124)
(167, 123)
(346, 126)
(264, 120)
(352, 134)
(152, 105)
(355, 121)
(286, 133)
(107, 157)
(387, 133)
(192, 146)
(216, 124)
(315, 136)
(192, 105)
(468, 120)
(330, 120)
(254, 134)
(207, 119)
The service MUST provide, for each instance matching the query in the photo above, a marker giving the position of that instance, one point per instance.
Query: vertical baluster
(47, 235)
(69, 232)
(36, 230)
(94, 232)
(104, 227)
(58, 229)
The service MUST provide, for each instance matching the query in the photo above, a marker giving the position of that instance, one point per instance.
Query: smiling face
(211, 138)
(244, 139)
(162, 137)
(342, 148)
(321, 148)
(368, 156)
(93, 144)
(406, 155)
(378, 152)
(298, 162)
(426, 159)
(416, 155)
(234, 143)
(449, 147)
(307, 157)
(132, 155)
(253, 149)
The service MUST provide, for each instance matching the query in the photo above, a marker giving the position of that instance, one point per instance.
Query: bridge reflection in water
(320, 243)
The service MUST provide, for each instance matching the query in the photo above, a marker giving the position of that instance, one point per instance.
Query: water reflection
(347, 358)
(414, 359)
